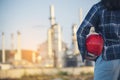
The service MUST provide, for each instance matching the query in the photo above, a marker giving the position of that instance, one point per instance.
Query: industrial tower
(3, 48)
(18, 55)
(54, 41)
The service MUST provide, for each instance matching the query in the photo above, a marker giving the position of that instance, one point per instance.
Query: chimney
(12, 42)
(3, 48)
(80, 15)
(18, 54)
(52, 15)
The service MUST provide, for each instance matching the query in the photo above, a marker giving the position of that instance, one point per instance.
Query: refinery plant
(51, 53)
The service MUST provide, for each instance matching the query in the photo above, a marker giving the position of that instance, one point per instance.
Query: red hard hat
(94, 44)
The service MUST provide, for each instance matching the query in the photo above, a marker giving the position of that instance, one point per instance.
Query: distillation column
(74, 40)
(57, 41)
(12, 42)
(54, 40)
(12, 46)
(3, 48)
(18, 54)
(50, 35)
(50, 54)
(60, 52)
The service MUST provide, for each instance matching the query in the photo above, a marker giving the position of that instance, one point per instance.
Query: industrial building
(16, 57)
(54, 47)
(52, 53)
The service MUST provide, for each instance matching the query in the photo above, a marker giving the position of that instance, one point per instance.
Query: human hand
(90, 56)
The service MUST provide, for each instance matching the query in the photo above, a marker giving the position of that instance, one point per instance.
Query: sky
(31, 19)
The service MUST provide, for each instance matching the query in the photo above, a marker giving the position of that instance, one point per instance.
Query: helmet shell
(94, 44)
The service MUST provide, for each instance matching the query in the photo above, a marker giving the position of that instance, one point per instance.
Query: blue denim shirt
(106, 23)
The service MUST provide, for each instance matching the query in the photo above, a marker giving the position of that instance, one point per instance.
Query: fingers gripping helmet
(94, 44)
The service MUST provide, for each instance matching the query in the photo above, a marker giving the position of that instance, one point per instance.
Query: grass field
(81, 73)
(59, 76)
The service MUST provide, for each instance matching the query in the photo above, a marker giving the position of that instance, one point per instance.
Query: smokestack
(12, 42)
(19, 45)
(3, 48)
(52, 15)
(81, 15)
(18, 55)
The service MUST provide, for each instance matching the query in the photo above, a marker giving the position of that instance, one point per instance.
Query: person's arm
(91, 20)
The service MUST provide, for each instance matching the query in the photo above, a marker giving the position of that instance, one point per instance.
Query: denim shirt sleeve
(91, 20)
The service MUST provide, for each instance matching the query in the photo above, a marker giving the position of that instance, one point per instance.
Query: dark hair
(111, 4)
